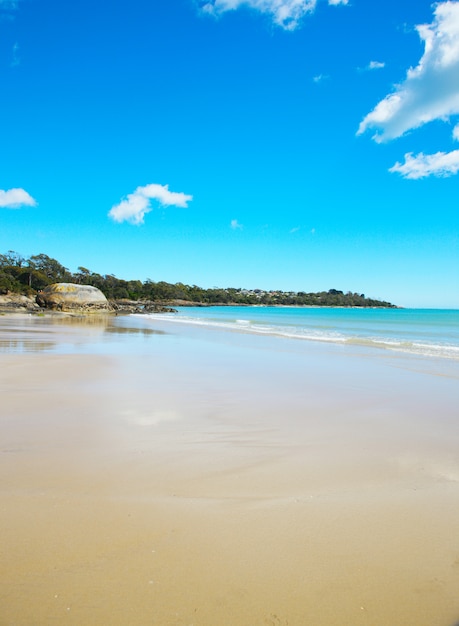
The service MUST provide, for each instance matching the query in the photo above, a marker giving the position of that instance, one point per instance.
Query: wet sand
(175, 476)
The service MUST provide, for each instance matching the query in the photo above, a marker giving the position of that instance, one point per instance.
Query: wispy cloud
(294, 230)
(429, 92)
(320, 78)
(375, 65)
(7, 7)
(8, 4)
(284, 13)
(441, 164)
(134, 207)
(372, 65)
(15, 198)
(235, 225)
(15, 61)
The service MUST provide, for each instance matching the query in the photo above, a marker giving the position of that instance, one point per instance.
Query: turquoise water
(427, 332)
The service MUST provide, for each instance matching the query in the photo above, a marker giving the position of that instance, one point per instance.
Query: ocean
(423, 332)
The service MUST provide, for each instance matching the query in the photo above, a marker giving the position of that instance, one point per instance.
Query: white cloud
(375, 65)
(134, 207)
(15, 198)
(285, 13)
(430, 91)
(441, 164)
(293, 230)
(456, 132)
(235, 225)
(320, 78)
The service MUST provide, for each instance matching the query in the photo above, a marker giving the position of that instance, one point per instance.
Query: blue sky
(273, 144)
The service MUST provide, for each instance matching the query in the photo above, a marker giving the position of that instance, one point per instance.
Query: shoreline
(19, 303)
(184, 477)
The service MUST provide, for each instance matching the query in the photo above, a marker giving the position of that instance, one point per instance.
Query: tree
(11, 258)
(50, 267)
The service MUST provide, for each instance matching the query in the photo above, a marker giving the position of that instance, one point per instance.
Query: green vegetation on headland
(29, 275)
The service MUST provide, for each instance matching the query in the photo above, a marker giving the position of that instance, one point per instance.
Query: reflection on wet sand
(45, 333)
(12, 345)
(128, 330)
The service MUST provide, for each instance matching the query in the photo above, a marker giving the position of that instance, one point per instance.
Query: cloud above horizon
(15, 198)
(136, 205)
(375, 65)
(285, 13)
(429, 92)
(441, 164)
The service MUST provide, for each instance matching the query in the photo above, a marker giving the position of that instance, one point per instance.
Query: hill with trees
(29, 275)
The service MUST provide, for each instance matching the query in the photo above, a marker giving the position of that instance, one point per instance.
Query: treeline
(30, 275)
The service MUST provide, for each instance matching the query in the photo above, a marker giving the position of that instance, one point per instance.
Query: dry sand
(184, 477)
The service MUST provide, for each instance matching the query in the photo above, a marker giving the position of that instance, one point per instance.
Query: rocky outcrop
(140, 306)
(73, 298)
(17, 303)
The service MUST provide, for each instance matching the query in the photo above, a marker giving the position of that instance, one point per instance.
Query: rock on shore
(140, 306)
(76, 299)
(17, 303)
(70, 298)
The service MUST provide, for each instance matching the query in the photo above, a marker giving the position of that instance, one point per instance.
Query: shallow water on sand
(157, 473)
(423, 332)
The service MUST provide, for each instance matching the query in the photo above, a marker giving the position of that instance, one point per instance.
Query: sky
(301, 145)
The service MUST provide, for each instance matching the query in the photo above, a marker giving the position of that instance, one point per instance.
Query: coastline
(18, 303)
(170, 475)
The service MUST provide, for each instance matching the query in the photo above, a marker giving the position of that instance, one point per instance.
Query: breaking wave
(326, 330)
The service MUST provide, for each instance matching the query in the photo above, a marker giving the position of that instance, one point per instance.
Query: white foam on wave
(325, 335)
(410, 347)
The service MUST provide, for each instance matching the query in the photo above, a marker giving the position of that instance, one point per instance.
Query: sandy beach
(153, 474)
